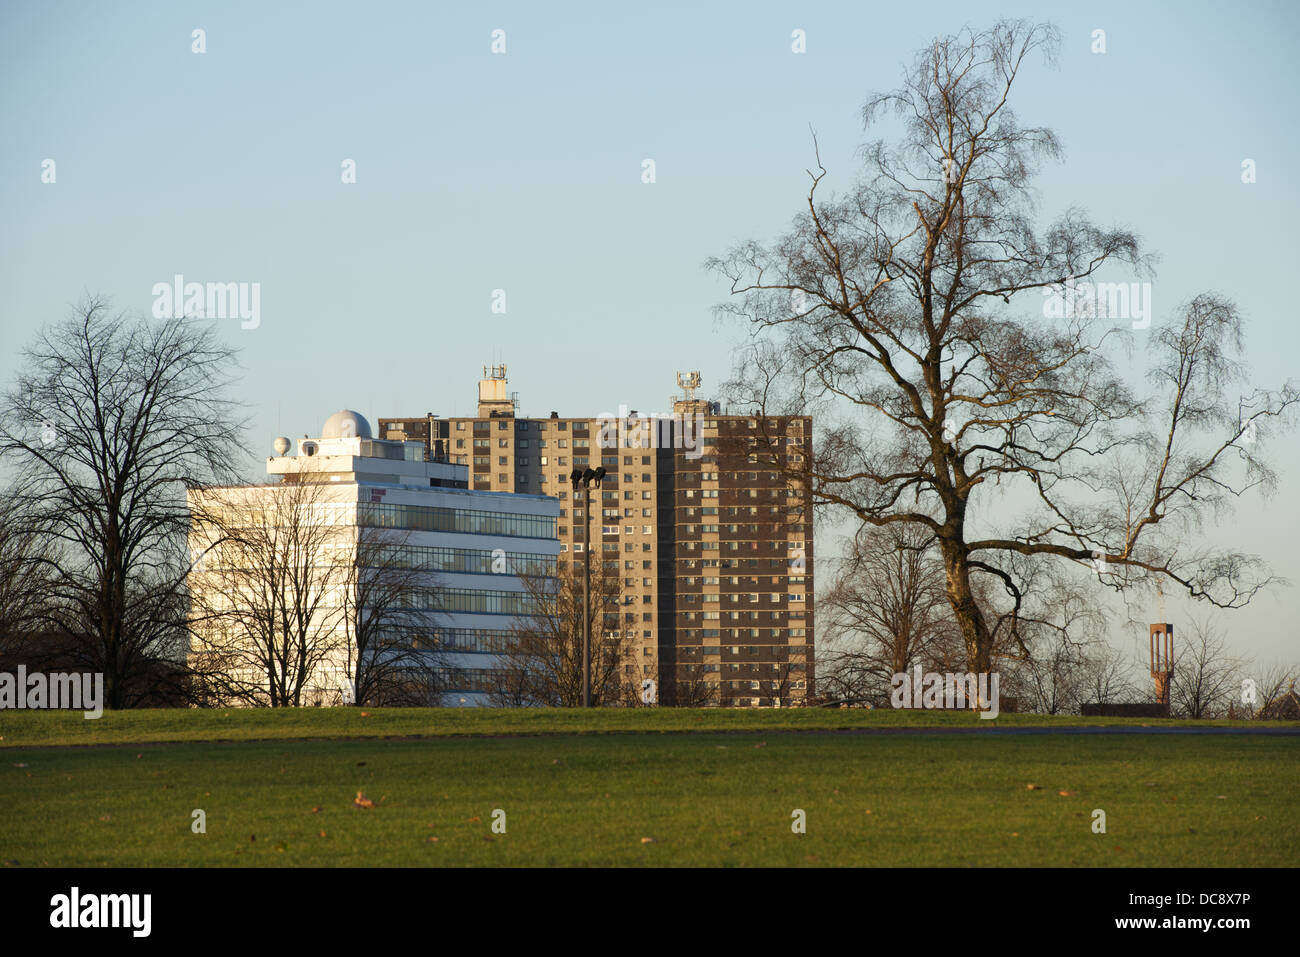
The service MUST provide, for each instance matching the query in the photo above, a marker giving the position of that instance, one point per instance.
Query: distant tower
(493, 400)
(1162, 660)
(688, 382)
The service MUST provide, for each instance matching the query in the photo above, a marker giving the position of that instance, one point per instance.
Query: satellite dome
(346, 424)
(281, 445)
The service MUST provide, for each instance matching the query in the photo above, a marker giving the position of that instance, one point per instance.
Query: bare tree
(269, 615)
(691, 689)
(886, 610)
(24, 583)
(1274, 695)
(1107, 677)
(543, 660)
(1206, 679)
(389, 611)
(1052, 677)
(108, 418)
(770, 680)
(896, 314)
(1272, 683)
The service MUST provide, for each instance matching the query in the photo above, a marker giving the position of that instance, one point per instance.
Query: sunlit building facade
(360, 500)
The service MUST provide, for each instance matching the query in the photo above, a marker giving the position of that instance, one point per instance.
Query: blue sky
(522, 172)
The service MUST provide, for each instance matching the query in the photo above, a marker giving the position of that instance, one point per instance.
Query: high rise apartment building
(703, 515)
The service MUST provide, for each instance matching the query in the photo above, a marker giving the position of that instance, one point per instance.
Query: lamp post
(580, 478)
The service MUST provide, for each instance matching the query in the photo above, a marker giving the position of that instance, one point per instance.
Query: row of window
(737, 579)
(427, 518)
(732, 562)
(471, 601)
(795, 423)
(717, 667)
(461, 639)
(523, 425)
(474, 561)
(748, 546)
(686, 651)
(692, 633)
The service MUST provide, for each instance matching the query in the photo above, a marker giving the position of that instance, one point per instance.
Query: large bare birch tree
(909, 314)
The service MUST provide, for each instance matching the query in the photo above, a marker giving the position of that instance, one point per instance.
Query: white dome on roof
(346, 424)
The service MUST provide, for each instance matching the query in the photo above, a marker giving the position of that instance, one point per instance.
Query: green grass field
(278, 790)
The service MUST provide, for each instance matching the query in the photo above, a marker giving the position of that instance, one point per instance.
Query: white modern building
(268, 557)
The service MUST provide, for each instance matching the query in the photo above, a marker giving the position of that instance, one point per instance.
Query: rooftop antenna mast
(688, 382)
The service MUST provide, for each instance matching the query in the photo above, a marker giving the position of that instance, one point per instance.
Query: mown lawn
(592, 799)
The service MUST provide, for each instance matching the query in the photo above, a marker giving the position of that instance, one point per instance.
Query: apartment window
(503, 443)
(503, 425)
(523, 443)
(460, 426)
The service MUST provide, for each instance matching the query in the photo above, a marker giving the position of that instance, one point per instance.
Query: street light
(585, 478)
